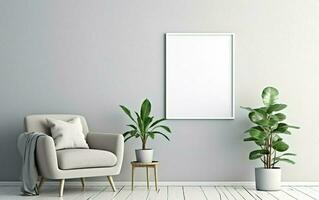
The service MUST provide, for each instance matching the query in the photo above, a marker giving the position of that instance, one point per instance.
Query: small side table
(153, 165)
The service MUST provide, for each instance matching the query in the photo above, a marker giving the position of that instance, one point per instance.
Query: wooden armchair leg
(61, 187)
(111, 183)
(82, 182)
(40, 183)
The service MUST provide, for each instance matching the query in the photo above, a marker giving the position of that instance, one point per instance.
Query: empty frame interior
(199, 76)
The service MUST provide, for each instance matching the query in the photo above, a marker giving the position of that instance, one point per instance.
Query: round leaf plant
(268, 130)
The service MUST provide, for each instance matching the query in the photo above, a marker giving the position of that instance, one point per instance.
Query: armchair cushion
(67, 134)
(85, 158)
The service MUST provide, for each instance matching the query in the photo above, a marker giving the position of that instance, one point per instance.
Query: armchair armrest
(109, 142)
(46, 157)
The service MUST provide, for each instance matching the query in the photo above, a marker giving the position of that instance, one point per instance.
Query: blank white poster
(199, 76)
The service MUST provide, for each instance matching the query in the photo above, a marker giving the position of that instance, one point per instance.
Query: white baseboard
(163, 183)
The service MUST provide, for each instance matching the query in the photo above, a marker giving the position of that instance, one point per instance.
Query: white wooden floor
(167, 193)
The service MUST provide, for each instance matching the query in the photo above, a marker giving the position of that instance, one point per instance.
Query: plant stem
(273, 162)
(270, 149)
(143, 142)
(144, 145)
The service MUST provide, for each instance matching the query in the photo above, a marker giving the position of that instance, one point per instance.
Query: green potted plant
(267, 135)
(144, 127)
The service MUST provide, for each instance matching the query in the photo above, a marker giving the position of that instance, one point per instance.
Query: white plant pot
(268, 179)
(144, 156)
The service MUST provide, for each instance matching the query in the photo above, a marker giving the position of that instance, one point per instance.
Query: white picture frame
(199, 76)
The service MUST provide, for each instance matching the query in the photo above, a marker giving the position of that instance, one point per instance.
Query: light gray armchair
(104, 158)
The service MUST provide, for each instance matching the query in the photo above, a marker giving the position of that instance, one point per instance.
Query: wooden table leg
(147, 178)
(132, 178)
(155, 176)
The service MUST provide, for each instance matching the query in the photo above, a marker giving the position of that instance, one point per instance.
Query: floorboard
(235, 193)
(282, 195)
(107, 194)
(244, 193)
(296, 194)
(165, 193)
(161, 194)
(176, 193)
(309, 192)
(194, 192)
(211, 193)
(139, 193)
(221, 193)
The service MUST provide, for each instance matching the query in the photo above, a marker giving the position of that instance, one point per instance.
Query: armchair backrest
(38, 123)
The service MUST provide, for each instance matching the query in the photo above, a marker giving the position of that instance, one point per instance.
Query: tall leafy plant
(268, 130)
(143, 125)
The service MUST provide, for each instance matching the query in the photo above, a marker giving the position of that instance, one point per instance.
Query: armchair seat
(85, 158)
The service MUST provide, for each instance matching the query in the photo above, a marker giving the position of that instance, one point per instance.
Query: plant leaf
(162, 134)
(277, 159)
(257, 154)
(280, 116)
(128, 138)
(295, 127)
(286, 132)
(269, 96)
(280, 146)
(139, 122)
(250, 139)
(265, 122)
(287, 154)
(132, 126)
(147, 122)
(128, 112)
(272, 122)
(256, 116)
(247, 108)
(157, 121)
(126, 133)
(151, 134)
(163, 127)
(276, 138)
(281, 128)
(255, 127)
(259, 135)
(260, 142)
(134, 133)
(145, 109)
(276, 107)
(261, 110)
(137, 135)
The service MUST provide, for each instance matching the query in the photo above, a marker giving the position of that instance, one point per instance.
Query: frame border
(232, 75)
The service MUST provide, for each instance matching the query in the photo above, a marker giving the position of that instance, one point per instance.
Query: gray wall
(88, 57)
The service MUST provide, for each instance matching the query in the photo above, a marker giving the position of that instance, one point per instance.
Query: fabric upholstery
(85, 158)
(38, 123)
(46, 155)
(67, 134)
(48, 163)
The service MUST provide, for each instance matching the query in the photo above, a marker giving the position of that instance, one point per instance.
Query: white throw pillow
(67, 135)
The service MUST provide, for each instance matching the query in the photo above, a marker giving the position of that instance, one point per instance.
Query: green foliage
(144, 126)
(268, 126)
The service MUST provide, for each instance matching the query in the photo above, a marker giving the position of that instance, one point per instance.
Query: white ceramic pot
(268, 179)
(144, 155)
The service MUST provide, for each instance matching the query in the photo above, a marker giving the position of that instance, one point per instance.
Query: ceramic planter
(268, 179)
(144, 155)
